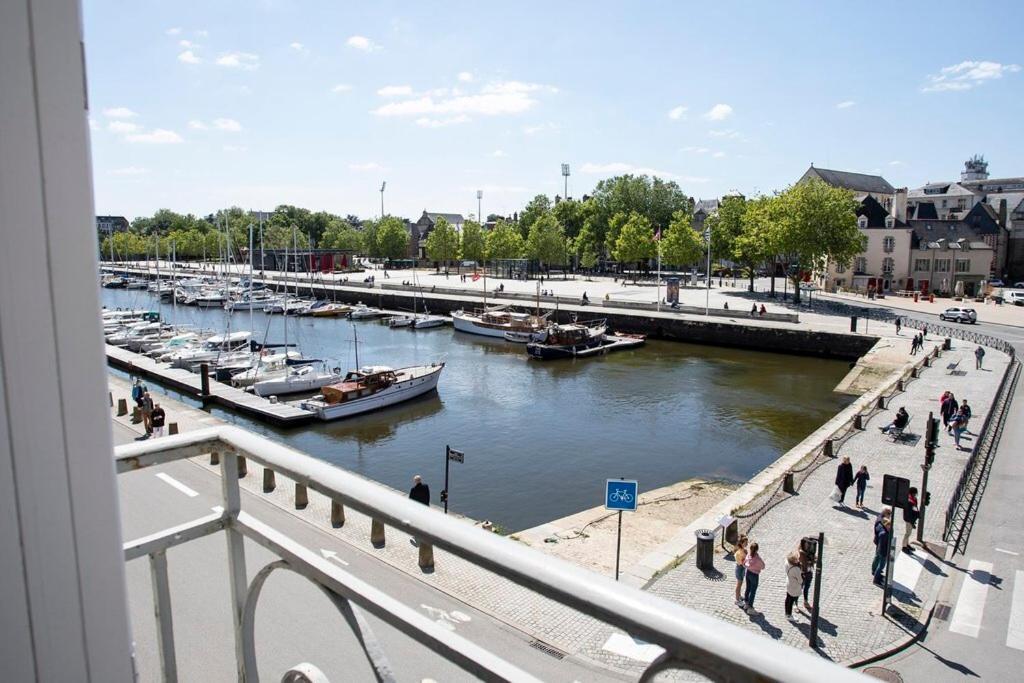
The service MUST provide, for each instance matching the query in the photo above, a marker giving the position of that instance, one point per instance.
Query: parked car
(1018, 285)
(996, 283)
(1016, 297)
(959, 315)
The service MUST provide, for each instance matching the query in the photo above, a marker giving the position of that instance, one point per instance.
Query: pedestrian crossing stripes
(1015, 631)
(970, 605)
(906, 572)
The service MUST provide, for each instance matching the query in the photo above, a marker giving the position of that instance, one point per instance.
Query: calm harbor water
(540, 438)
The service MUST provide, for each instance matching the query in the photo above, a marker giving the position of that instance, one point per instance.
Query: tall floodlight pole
(707, 294)
(565, 176)
(382, 186)
(479, 200)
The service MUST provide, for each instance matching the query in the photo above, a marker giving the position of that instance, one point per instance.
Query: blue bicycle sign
(620, 494)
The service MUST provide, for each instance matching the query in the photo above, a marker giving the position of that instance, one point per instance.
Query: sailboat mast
(251, 328)
(159, 299)
(174, 287)
(355, 335)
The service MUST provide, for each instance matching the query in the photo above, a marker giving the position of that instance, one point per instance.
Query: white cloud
(119, 113)
(299, 47)
(173, 31)
(618, 168)
(239, 60)
(395, 91)
(498, 153)
(896, 163)
(677, 113)
(197, 125)
(719, 155)
(341, 87)
(362, 43)
(967, 75)
(189, 57)
(186, 43)
(494, 99)
(719, 112)
(92, 124)
(129, 171)
(118, 126)
(440, 123)
(695, 150)
(846, 104)
(157, 136)
(465, 77)
(235, 148)
(725, 133)
(369, 166)
(539, 128)
(229, 125)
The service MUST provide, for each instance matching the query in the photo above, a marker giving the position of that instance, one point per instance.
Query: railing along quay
(691, 640)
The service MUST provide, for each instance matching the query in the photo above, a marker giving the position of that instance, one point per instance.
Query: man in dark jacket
(883, 527)
(420, 492)
(844, 477)
(910, 517)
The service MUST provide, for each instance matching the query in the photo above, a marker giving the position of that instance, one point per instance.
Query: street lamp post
(707, 291)
(382, 186)
(565, 176)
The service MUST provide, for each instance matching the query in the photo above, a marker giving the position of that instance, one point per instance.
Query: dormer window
(890, 222)
(862, 222)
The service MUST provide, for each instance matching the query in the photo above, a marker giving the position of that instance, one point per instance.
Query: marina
(662, 412)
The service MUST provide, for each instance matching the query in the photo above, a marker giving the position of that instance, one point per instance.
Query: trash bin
(853, 323)
(916, 295)
(705, 548)
(947, 344)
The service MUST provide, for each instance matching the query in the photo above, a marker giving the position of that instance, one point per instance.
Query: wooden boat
(372, 388)
(566, 341)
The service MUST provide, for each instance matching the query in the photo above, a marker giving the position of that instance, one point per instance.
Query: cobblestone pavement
(851, 624)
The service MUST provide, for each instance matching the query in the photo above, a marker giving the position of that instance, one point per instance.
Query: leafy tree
(815, 222)
(472, 241)
(392, 238)
(371, 244)
(537, 207)
(726, 225)
(635, 241)
(681, 244)
(611, 234)
(571, 215)
(504, 242)
(341, 235)
(588, 259)
(443, 243)
(546, 241)
(653, 198)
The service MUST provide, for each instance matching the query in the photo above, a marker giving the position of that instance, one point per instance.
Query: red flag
(476, 276)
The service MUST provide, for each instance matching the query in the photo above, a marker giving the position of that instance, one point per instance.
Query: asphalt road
(978, 627)
(295, 622)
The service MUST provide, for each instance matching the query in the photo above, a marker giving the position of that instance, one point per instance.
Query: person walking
(754, 566)
(883, 528)
(898, 325)
(915, 345)
(806, 575)
(979, 354)
(844, 477)
(861, 480)
(419, 492)
(910, 517)
(948, 409)
(794, 581)
(156, 419)
(958, 424)
(147, 413)
(138, 390)
(739, 555)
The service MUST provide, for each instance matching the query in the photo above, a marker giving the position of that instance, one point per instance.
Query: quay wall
(722, 328)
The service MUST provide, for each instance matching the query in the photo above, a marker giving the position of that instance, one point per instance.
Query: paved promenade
(851, 627)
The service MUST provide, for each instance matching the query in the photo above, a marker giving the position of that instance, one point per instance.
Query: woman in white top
(794, 581)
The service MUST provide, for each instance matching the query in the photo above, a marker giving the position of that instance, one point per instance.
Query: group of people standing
(883, 535)
(153, 415)
(845, 478)
(750, 564)
(955, 416)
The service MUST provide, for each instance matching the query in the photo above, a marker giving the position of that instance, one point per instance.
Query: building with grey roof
(861, 184)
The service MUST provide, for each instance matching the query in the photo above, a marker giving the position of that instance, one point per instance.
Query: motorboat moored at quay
(496, 322)
(372, 388)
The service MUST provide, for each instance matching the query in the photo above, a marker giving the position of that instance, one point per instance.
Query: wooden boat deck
(189, 383)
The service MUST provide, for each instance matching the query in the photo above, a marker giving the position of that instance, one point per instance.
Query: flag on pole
(476, 276)
(657, 235)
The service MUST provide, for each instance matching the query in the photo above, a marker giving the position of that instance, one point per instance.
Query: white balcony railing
(692, 640)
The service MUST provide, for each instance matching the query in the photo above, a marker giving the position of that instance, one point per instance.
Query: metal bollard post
(858, 421)
(880, 403)
(377, 533)
(214, 458)
(122, 407)
(829, 449)
(426, 559)
(172, 428)
(204, 379)
(269, 480)
(787, 483)
(899, 385)
(136, 415)
(337, 514)
(243, 467)
(301, 496)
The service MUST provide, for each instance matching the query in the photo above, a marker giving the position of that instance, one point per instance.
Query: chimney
(1002, 213)
(899, 204)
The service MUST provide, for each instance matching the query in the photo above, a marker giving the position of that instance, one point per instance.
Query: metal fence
(692, 641)
(963, 335)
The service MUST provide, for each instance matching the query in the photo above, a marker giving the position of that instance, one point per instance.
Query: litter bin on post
(947, 344)
(705, 549)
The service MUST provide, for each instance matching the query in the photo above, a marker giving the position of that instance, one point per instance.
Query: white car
(959, 315)
(1015, 297)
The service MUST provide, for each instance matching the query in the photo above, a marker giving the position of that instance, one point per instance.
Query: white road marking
(331, 555)
(1007, 552)
(446, 619)
(1015, 631)
(906, 572)
(168, 479)
(970, 605)
(218, 509)
(622, 644)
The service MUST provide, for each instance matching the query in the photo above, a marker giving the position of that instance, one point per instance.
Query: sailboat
(372, 387)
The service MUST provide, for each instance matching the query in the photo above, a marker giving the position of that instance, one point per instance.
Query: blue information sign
(620, 494)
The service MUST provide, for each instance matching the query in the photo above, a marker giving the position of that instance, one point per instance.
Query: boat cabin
(360, 384)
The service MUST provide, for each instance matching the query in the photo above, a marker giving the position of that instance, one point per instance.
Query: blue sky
(196, 106)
